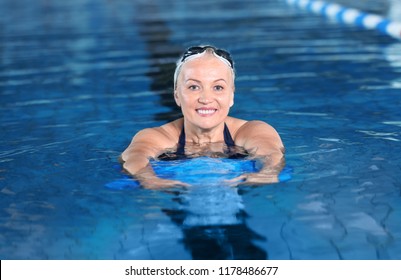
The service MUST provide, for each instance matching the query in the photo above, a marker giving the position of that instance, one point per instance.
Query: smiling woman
(204, 90)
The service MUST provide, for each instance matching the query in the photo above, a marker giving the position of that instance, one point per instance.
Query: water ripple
(381, 135)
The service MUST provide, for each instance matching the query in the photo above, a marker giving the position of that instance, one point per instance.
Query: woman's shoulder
(241, 129)
(258, 127)
(240, 124)
(172, 129)
(164, 135)
(234, 124)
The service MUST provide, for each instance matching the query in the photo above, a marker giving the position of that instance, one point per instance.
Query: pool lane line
(350, 16)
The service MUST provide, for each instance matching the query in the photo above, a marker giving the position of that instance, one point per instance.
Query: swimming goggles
(198, 50)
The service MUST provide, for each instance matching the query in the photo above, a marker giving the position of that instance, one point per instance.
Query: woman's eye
(193, 87)
(218, 88)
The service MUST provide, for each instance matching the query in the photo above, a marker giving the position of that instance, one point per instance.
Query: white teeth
(206, 112)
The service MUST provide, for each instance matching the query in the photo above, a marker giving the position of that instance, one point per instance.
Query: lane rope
(350, 16)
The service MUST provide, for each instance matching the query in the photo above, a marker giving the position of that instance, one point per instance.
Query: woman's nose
(205, 96)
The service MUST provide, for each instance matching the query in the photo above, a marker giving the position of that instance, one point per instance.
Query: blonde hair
(208, 50)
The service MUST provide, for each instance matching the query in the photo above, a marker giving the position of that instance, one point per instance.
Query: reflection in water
(163, 55)
(392, 52)
(214, 226)
(394, 11)
(210, 213)
(393, 55)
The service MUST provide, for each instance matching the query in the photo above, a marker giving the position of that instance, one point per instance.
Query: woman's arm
(260, 139)
(265, 144)
(145, 145)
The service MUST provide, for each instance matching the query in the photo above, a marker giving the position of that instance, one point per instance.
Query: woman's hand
(157, 183)
(268, 173)
(149, 180)
(253, 179)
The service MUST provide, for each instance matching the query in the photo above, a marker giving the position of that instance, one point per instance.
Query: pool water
(79, 78)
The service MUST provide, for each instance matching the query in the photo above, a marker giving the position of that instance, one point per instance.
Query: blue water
(79, 78)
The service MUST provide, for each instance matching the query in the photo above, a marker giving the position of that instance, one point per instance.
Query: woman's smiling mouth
(206, 111)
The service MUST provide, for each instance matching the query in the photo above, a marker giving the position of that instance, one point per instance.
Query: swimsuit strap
(181, 143)
(180, 153)
(227, 139)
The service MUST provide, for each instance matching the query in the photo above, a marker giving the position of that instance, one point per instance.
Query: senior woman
(204, 90)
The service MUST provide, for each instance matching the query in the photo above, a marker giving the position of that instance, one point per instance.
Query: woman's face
(205, 91)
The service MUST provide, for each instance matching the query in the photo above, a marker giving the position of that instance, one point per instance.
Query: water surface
(79, 79)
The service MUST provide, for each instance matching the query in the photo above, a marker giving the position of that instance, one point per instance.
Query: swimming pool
(79, 78)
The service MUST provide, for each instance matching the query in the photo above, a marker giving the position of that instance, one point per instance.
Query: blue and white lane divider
(350, 16)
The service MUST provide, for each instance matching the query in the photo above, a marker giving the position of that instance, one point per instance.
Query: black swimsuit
(229, 152)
